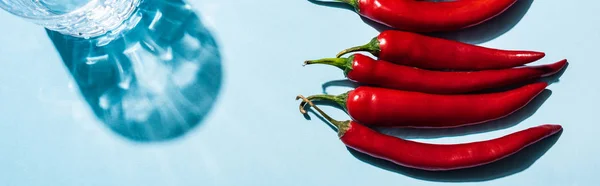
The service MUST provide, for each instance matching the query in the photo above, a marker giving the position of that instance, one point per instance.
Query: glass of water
(79, 18)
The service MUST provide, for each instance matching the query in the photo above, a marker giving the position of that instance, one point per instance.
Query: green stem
(353, 3)
(342, 126)
(343, 63)
(371, 47)
(339, 99)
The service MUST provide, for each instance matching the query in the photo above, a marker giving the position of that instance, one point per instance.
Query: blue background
(254, 134)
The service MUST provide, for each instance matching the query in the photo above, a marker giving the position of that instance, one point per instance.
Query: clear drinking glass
(79, 18)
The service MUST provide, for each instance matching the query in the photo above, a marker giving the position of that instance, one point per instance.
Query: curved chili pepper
(427, 52)
(427, 16)
(396, 108)
(363, 69)
(434, 157)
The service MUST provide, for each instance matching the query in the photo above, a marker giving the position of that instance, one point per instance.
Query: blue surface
(253, 134)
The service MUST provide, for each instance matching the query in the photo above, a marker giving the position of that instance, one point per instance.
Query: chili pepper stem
(341, 126)
(353, 3)
(339, 99)
(371, 47)
(343, 63)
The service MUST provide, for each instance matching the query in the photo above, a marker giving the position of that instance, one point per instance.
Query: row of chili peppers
(425, 82)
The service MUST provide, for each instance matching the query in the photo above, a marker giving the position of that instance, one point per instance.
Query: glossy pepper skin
(427, 52)
(379, 73)
(434, 157)
(427, 16)
(396, 108)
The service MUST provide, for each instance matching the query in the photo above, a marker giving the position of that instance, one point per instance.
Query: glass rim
(53, 16)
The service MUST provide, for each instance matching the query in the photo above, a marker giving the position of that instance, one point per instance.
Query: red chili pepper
(434, 157)
(363, 69)
(427, 52)
(427, 16)
(387, 107)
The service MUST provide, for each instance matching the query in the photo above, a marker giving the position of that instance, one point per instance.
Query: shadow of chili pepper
(307, 117)
(332, 4)
(509, 121)
(513, 164)
(491, 29)
(155, 82)
(481, 33)
(556, 77)
(339, 83)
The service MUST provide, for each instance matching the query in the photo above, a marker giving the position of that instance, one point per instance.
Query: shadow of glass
(478, 34)
(154, 82)
(513, 164)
